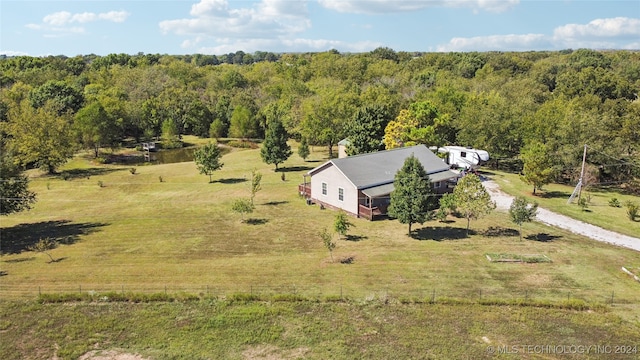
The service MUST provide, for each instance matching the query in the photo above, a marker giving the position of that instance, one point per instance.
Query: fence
(332, 292)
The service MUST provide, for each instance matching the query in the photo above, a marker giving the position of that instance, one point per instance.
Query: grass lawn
(554, 197)
(138, 234)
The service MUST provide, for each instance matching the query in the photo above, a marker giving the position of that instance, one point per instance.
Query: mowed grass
(211, 329)
(554, 197)
(136, 233)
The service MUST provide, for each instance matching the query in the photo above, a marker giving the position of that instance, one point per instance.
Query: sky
(72, 27)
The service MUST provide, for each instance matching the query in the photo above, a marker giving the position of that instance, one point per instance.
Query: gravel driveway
(503, 202)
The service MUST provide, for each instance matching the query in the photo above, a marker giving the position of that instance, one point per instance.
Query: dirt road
(503, 202)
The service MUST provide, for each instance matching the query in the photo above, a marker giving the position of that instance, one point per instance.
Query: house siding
(334, 180)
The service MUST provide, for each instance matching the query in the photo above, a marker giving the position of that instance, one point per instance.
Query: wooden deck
(305, 190)
(373, 213)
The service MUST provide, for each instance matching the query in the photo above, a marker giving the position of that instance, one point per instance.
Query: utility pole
(584, 158)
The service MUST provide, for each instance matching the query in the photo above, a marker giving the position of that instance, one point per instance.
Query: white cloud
(269, 19)
(511, 42)
(610, 33)
(599, 28)
(287, 45)
(61, 18)
(58, 24)
(13, 53)
(396, 6)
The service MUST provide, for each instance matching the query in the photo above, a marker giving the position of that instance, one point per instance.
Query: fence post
(433, 296)
(39, 291)
(480, 294)
(80, 287)
(165, 289)
(340, 292)
(612, 293)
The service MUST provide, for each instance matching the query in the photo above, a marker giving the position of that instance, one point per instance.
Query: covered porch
(374, 202)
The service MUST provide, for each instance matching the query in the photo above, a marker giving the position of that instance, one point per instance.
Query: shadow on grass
(554, 194)
(542, 237)
(313, 161)
(355, 238)
(3, 273)
(19, 238)
(21, 259)
(229, 181)
(84, 173)
(276, 203)
(441, 233)
(253, 221)
(294, 168)
(494, 231)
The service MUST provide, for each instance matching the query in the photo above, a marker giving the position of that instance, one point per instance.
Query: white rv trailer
(464, 157)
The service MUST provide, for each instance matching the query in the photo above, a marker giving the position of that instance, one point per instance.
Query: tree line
(503, 102)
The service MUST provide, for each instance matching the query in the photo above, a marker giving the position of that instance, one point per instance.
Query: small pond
(168, 156)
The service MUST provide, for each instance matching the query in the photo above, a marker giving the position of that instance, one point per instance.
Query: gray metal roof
(379, 168)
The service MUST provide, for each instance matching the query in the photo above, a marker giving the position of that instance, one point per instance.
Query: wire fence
(331, 292)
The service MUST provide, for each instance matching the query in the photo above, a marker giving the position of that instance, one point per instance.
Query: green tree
(412, 199)
(303, 149)
(275, 149)
(472, 199)
(341, 223)
(95, 128)
(217, 129)
(62, 96)
(256, 177)
(522, 211)
(537, 165)
(170, 135)
(447, 206)
(40, 136)
(243, 124)
(328, 242)
(207, 159)
(14, 187)
(366, 130)
(242, 206)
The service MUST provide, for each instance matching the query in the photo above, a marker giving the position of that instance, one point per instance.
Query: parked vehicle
(464, 157)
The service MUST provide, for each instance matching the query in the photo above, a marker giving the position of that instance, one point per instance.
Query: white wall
(334, 179)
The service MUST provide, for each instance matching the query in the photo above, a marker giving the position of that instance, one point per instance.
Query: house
(361, 185)
(464, 157)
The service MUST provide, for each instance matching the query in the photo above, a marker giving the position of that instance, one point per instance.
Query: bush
(133, 171)
(633, 210)
(242, 144)
(614, 202)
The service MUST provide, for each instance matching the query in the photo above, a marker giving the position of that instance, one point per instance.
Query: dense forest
(503, 102)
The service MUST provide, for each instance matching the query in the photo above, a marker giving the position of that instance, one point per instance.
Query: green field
(555, 196)
(136, 234)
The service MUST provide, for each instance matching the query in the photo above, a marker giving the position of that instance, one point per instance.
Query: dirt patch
(110, 355)
(270, 352)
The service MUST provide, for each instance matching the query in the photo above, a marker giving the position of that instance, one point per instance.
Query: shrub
(133, 171)
(614, 202)
(633, 210)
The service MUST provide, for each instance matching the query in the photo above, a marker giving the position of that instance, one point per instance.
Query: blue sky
(55, 27)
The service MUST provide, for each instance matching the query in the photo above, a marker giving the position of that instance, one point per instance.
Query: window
(436, 185)
(324, 188)
(463, 154)
(341, 194)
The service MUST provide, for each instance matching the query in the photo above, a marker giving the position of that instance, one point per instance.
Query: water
(171, 156)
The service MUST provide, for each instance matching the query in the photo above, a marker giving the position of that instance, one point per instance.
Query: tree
(256, 177)
(366, 130)
(521, 211)
(207, 159)
(63, 96)
(242, 206)
(303, 149)
(328, 242)
(412, 198)
(447, 206)
(275, 149)
(472, 199)
(243, 124)
(170, 135)
(43, 246)
(40, 137)
(96, 128)
(14, 187)
(216, 129)
(341, 223)
(537, 165)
